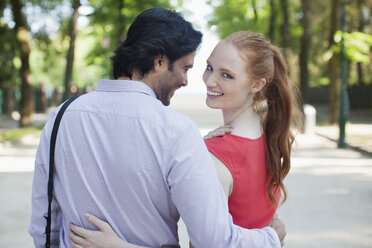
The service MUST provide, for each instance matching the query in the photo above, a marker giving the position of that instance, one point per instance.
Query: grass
(18, 133)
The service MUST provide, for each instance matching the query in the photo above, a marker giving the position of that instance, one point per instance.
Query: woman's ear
(258, 85)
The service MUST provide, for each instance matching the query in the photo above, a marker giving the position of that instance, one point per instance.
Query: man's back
(112, 158)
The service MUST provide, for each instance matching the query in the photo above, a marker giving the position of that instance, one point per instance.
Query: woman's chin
(211, 105)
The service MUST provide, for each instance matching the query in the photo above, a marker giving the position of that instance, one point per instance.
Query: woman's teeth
(212, 93)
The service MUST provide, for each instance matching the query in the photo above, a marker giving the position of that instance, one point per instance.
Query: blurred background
(53, 49)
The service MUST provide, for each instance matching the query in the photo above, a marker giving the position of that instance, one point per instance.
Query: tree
(271, 32)
(255, 13)
(305, 47)
(71, 49)
(230, 16)
(334, 65)
(285, 27)
(7, 67)
(362, 19)
(360, 8)
(121, 21)
(23, 37)
(357, 46)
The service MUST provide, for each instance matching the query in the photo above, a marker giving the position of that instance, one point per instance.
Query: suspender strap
(51, 165)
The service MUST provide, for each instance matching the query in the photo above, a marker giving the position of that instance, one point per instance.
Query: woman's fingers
(76, 240)
(220, 131)
(102, 225)
(82, 232)
(75, 245)
(228, 129)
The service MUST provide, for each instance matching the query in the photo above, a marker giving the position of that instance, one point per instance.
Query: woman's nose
(209, 80)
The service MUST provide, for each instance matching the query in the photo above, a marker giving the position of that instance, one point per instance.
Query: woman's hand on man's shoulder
(218, 132)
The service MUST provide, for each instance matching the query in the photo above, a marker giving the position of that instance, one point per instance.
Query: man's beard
(165, 86)
(164, 94)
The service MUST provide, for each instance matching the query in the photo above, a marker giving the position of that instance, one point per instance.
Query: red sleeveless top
(249, 202)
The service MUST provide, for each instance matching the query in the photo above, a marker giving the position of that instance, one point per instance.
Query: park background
(53, 49)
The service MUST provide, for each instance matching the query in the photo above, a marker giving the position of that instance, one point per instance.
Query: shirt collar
(124, 85)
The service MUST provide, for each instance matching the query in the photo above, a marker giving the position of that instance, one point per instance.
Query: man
(126, 158)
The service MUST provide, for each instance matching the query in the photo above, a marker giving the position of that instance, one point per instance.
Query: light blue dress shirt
(124, 157)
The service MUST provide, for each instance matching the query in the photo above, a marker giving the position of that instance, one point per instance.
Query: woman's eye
(209, 68)
(226, 75)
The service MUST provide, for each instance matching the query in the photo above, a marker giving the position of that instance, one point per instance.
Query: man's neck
(138, 78)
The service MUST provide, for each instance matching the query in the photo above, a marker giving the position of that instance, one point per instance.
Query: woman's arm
(224, 176)
(223, 172)
(105, 237)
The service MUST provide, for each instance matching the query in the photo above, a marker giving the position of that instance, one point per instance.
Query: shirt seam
(117, 115)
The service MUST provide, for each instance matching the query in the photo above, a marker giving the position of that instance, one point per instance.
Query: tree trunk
(305, 47)
(255, 11)
(8, 104)
(71, 49)
(335, 88)
(361, 24)
(333, 67)
(121, 21)
(41, 100)
(2, 7)
(335, 14)
(271, 33)
(285, 27)
(57, 97)
(22, 35)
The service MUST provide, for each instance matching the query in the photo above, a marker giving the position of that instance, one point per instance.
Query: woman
(246, 77)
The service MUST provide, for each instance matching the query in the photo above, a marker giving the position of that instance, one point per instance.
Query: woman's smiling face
(226, 77)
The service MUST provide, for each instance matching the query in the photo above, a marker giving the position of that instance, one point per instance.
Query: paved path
(330, 196)
(329, 203)
(16, 170)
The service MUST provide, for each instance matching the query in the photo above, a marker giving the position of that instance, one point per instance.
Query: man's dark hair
(154, 32)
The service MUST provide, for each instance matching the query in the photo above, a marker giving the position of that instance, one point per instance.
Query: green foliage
(47, 59)
(88, 74)
(94, 45)
(45, 54)
(357, 46)
(18, 133)
(322, 81)
(230, 16)
(8, 72)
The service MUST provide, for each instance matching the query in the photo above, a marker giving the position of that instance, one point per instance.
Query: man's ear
(258, 85)
(159, 63)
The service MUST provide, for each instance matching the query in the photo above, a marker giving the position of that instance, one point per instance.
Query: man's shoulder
(176, 120)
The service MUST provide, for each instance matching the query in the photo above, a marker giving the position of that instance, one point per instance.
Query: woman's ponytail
(277, 123)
